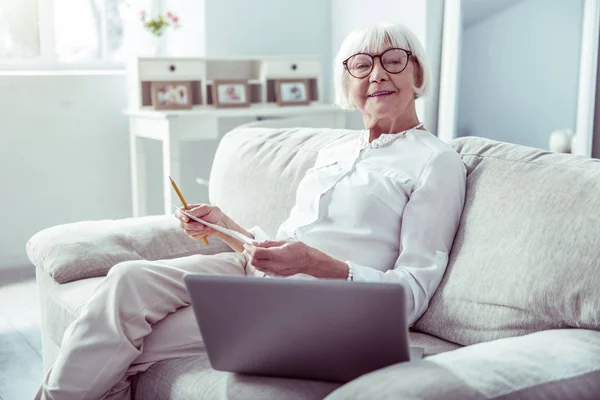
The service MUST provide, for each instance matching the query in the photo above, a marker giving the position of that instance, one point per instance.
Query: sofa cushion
(192, 378)
(525, 257)
(431, 344)
(86, 249)
(554, 364)
(259, 188)
(61, 303)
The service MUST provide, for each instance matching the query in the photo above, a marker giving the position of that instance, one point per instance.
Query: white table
(171, 127)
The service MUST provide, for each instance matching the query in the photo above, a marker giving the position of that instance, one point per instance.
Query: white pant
(137, 316)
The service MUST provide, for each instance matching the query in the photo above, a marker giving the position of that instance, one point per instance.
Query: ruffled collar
(383, 139)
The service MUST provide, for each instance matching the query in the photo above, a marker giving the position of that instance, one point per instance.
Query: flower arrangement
(160, 23)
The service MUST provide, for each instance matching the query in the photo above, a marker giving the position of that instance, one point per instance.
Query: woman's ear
(418, 71)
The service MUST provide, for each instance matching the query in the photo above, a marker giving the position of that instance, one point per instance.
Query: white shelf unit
(260, 72)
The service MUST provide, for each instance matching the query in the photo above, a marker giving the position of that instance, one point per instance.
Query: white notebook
(225, 231)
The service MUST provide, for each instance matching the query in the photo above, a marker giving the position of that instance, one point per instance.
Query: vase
(159, 46)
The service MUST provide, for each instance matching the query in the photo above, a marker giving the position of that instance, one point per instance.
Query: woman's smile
(381, 94)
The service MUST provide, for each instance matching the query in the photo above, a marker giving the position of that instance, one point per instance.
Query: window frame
(48, 60)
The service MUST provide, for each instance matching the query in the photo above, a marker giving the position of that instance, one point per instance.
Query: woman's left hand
(287, 258)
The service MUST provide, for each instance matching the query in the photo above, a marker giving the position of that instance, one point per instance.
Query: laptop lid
(329, 330)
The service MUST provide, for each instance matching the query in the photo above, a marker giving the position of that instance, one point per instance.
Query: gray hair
(370, 39)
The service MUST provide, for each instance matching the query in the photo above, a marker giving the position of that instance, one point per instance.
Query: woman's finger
(265, 266)
(261, 253)
(270, 243)
(193, 225)
(198, 234)
(255, 255)
(198, 231)
(181, 216)
(198, 237)
(199, 210)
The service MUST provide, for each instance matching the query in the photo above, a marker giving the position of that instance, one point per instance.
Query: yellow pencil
(185, 205)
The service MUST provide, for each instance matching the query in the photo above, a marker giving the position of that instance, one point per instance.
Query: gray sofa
(516, 316)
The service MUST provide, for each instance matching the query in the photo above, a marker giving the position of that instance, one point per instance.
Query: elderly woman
(379, 206)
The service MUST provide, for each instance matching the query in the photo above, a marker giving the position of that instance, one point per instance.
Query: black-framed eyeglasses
(393, 61)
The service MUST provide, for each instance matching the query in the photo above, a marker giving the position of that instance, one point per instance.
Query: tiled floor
(20, 342)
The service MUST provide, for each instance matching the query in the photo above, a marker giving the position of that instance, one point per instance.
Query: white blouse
(390, 208)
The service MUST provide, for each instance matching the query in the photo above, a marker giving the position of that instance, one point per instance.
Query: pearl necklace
(384, 138)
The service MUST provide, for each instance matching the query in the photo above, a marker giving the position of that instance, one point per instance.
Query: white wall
(189, 39)
(519, 72)
(347, 15)
(63, 155)
(270, 27)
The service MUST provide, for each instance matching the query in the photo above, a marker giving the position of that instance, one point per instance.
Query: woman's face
(381, 95)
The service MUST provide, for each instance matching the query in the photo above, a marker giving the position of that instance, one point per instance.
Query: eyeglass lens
(393, 61)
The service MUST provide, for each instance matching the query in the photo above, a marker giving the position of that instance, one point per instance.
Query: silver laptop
(328, 330)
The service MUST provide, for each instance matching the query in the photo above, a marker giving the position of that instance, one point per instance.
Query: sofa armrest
(88, 249)
(553, 364)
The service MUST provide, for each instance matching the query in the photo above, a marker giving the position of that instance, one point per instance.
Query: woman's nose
(378, 74)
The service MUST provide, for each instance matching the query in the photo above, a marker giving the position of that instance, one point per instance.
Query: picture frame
(292, 92)
(171, 95)
(231, 93)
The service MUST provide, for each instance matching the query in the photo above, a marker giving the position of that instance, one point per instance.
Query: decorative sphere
(560, 141)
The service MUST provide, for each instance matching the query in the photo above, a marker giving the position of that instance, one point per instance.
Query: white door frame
(588, 65)
(449, 70)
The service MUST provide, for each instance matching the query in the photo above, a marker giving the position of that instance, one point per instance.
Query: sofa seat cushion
(431, 344)
(553, 364)
(525, 257)
(193, 378)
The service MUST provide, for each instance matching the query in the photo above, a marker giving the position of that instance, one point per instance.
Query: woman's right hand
(214, 215)
(208, 213)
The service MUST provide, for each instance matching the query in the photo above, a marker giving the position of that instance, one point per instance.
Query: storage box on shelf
(205, 121)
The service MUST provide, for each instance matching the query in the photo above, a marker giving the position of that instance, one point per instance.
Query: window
(19, 33)
(63, 32)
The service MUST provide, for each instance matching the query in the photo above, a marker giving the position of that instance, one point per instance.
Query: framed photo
(173, 95)
(290, 92)
(231, 93)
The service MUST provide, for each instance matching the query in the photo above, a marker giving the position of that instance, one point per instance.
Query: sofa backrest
(526, 254)
(525, 257)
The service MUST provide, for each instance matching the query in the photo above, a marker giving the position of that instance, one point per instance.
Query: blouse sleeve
(429, 223)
